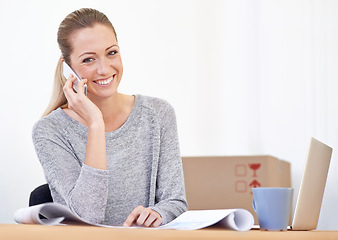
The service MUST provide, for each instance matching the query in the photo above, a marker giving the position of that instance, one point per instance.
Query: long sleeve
(170, 190)
(82, 188)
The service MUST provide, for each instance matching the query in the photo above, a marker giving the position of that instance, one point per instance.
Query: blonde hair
(82, 18)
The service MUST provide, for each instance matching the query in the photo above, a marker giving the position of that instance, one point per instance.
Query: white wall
(245, 77)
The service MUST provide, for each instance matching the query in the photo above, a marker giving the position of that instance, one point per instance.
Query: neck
(115, 110)
(109, 107)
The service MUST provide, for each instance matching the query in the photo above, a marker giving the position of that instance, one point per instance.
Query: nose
(103, 67)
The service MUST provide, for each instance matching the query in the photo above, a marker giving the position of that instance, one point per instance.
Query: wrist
(96, 126)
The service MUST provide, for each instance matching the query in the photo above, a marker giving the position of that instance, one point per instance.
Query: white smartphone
(67, 70)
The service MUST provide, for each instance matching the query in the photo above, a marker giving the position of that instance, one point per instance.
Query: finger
(157, 222)
(67, 89)
(151, 219)
(143, 217)
(80, 86)
(70, 80)
(69, 84)
(132, 217)
(130, 220)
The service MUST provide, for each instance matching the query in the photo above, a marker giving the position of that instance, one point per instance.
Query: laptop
(312, 187)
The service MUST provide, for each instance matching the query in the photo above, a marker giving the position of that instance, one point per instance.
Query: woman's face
(96, 57)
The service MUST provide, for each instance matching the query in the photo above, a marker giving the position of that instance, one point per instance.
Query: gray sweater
(143, 161)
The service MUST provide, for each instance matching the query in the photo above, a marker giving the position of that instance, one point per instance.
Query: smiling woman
(79, 25)
(96, 57)
(111, 158)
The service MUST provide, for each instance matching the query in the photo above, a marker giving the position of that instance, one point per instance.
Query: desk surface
(36, 232)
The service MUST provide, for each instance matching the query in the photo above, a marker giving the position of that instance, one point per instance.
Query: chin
(102, 94)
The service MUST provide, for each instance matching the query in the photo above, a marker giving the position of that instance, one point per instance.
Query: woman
(111, 158)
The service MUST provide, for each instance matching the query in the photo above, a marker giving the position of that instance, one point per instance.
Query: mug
(273, 207)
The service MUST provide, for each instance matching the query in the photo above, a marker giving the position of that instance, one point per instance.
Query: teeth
(104, 82)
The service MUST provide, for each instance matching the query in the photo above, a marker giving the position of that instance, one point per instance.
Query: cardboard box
(226, 182)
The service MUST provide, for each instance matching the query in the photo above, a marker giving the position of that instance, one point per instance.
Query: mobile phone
(67, 70)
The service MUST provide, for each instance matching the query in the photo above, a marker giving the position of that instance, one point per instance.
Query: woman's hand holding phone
(80, 103)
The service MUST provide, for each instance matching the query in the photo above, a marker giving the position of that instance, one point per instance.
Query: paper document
(235, 219)
(56, 214)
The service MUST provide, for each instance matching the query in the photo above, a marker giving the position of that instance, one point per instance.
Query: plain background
(245, 78)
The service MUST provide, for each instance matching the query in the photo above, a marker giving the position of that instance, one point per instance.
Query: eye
(88, 60)
(112, 52)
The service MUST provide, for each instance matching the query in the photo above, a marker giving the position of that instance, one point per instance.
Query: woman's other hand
(145, 217)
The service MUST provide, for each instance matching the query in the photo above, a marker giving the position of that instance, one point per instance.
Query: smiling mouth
(106, 81)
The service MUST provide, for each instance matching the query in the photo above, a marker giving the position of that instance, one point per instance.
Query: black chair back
(40, 195)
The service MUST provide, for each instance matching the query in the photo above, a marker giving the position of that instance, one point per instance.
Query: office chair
(40, 195)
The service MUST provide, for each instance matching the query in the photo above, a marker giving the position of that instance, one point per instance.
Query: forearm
(88, 199)
(170, 192)
(96, 146)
